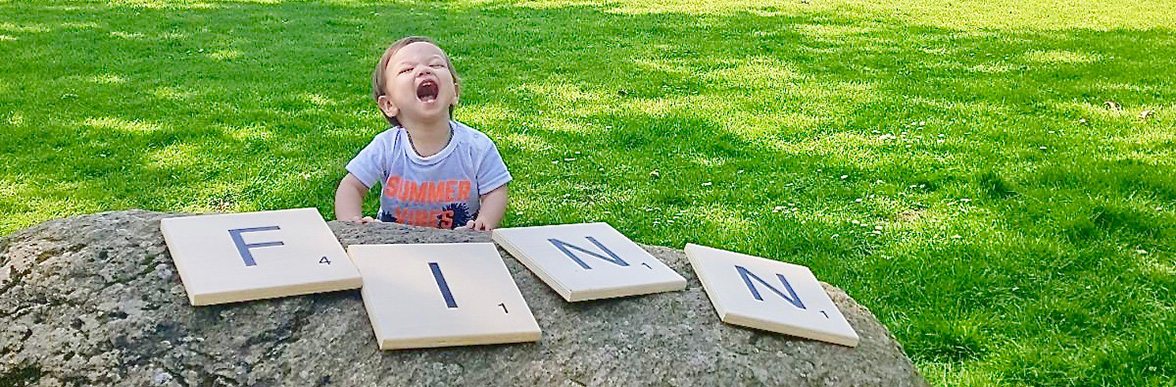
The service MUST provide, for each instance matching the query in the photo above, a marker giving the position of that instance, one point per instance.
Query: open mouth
(427, 91)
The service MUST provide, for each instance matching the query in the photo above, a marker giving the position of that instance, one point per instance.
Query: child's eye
(438, 65)
(405, 70)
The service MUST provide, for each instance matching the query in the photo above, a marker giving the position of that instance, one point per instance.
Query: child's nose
(424, 70)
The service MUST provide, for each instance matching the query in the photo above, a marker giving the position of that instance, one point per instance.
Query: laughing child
(435, 172)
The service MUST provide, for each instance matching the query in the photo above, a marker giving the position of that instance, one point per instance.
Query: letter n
(563, 246)
(747, 276)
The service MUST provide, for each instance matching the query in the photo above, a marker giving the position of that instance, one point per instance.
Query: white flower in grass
(706, 184)
(859, 200)
(844, 176)
(834, 235)
(957, 236)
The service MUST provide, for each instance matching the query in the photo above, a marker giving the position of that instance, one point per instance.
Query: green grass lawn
(953, 165)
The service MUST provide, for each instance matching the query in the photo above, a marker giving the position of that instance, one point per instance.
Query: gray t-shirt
(439, 191)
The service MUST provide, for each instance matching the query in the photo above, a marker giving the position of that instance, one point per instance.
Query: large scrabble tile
(588, 261)
(240, 257)
(769, 295)
(439, 295)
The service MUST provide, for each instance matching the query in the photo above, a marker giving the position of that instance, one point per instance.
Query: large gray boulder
(95, 300)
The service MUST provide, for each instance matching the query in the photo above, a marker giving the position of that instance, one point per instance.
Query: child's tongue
(427, 91)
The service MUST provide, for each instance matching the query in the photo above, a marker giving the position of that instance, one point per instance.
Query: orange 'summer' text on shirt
(440, 191)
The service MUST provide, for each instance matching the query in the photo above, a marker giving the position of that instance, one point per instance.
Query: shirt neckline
(417, 158)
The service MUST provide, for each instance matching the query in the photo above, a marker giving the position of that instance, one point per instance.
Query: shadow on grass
(243, 106)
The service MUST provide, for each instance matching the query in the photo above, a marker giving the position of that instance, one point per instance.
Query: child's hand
(479, 225)
(363, 220)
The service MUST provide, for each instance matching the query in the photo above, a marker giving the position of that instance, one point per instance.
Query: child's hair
(379, 81)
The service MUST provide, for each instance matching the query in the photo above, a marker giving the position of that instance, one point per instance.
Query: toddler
(435, 172)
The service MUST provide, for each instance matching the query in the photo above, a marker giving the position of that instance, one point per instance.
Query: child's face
(420, 86)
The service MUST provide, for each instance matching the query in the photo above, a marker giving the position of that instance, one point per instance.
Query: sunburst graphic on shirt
(460, 213)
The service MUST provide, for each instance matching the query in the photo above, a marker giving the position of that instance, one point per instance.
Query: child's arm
(349, 200)
(493, 209)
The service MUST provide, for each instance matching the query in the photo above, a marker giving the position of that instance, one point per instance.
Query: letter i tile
(440, 295)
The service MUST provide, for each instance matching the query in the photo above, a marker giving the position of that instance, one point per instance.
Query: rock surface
(95, 300)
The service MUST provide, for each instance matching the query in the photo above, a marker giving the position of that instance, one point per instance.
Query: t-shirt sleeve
(492, 171)
(368, 166)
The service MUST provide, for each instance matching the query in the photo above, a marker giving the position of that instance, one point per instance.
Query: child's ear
(387, 106)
